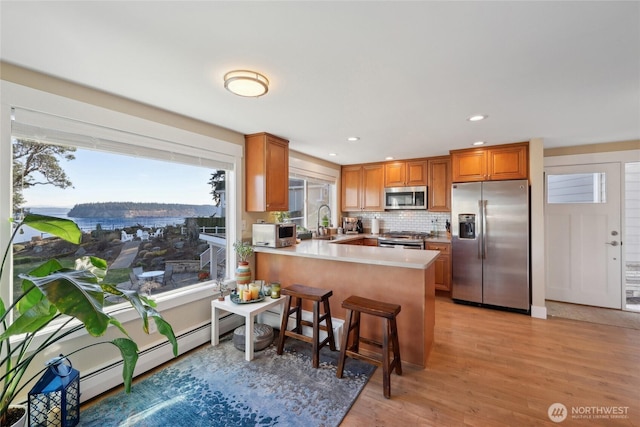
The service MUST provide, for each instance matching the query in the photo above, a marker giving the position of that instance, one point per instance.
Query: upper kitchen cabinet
(439, 184)
(408, 173)
(363, 187)
(508, 162)
(267, 173)
(496, 163)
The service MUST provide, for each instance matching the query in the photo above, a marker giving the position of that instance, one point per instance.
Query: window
(142, 208)
(312, 185)
(306, 196)
(577, 188)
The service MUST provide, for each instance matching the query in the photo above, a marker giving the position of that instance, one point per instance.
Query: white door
(582, 241)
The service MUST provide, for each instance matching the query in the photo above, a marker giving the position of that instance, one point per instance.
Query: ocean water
(89, 224)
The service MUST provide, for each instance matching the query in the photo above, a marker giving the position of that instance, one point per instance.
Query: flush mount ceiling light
(353, 138)
(478, 143)
(246, 83)
(477, 117)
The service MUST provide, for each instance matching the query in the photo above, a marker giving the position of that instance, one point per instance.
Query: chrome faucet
(321, 231)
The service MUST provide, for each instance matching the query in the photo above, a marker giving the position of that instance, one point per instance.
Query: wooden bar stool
(355, 306)
(301, 292)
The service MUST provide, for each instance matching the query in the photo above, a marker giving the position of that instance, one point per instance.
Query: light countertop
(333, 251)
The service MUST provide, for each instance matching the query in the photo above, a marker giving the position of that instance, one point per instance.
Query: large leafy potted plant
(54, 293)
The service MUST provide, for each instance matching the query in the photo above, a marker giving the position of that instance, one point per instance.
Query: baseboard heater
(110, 376)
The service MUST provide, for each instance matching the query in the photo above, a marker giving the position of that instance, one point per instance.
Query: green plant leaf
(75, 293)
(146, 309)
(165, 329)
(32, 294)
(129, 352)
(64, 228)
(32, 320)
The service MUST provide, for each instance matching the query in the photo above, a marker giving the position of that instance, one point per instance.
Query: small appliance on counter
(274, 235)
(349, 225)
(359, 226)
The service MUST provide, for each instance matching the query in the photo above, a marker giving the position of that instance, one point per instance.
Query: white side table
(248, 311)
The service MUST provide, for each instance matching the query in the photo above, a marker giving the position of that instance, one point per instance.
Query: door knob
(612, 243)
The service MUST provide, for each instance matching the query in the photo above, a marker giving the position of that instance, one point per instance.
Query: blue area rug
(215, 386)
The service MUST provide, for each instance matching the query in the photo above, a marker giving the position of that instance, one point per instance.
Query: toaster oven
(273, 235)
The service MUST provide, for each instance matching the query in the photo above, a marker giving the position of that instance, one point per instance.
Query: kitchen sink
(325, 238)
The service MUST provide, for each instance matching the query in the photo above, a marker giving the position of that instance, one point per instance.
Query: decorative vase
(243, 273)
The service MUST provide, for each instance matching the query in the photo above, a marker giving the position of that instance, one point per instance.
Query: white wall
(536, 178)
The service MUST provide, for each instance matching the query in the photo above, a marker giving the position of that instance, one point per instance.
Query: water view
(90, 224)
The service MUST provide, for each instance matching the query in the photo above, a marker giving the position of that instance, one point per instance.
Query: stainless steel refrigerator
(490, 243)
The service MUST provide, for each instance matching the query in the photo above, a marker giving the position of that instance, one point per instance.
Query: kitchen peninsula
(400, 276)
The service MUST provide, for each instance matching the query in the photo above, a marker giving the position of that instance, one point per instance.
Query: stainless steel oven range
(402, 239)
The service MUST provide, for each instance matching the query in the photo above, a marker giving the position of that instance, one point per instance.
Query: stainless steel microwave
(396, 198)
(274, 235)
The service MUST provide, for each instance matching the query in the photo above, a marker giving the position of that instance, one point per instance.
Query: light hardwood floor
(494, 368)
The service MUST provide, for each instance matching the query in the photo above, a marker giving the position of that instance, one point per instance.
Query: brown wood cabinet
(365, 241)
(442, 265)
(491, 164)
(439, 184)
(370, 241)
(405, 173)
(363, 187)
(510, 162)
(267, 173)
(358, 242)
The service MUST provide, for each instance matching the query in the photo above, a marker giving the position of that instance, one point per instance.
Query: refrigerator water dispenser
(467, 226)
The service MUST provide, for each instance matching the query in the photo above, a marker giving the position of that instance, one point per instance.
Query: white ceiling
(403, 76)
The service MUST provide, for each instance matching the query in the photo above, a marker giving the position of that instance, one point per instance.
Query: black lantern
(55, 399)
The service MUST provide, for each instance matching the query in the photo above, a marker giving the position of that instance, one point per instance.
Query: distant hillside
(132, 209)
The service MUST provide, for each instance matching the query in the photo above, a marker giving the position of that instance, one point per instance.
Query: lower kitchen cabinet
(370, 241)
(442, 265)
(365, 241)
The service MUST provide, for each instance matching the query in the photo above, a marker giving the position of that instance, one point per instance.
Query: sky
(105, 177)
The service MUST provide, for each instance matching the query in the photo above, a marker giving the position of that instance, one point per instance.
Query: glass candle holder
(275, 290)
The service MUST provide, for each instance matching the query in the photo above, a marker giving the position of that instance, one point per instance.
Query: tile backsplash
(421, 221)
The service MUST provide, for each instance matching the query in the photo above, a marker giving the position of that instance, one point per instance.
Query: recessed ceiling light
(477, 117)
(388, 158)
(353, 138)
(333, 154)
(478, 143)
